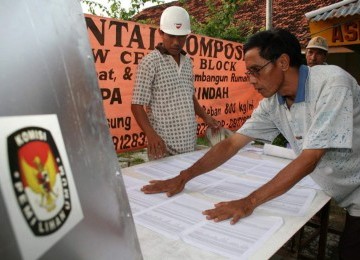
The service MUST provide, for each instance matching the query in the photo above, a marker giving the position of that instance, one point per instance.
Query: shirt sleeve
(261, 124)
(332, 124)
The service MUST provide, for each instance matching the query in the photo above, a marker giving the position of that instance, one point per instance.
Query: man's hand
(235, 209)
(171, 186)
(209, 120)
(156, 146)
(212, 123)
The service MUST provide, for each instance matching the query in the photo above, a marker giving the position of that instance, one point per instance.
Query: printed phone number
(231, 123)
(129, 141)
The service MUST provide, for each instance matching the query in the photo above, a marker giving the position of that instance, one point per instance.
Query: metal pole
(268, 14)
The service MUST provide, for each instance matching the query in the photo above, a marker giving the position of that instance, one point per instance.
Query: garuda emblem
(39, 179)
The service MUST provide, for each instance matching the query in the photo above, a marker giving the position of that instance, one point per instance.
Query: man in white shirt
(317, 109)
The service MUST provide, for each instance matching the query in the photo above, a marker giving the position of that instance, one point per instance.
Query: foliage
(220, 21)
(132, 157)
(202, 141)
(137, 160)
(280, 141)
(114, 8)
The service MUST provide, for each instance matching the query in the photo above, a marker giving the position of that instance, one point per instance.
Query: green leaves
(114, 9)
(220, 22)
(280, 141)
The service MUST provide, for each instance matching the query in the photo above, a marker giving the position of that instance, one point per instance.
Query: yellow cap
(318, 42)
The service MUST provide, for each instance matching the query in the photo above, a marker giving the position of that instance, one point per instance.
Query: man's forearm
(216, 156)
(142, 119)
(303, 165)
(199, 111)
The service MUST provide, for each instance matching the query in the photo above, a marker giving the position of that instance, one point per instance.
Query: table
(156, 246)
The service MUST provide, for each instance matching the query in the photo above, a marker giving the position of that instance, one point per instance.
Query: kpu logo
(39, 179)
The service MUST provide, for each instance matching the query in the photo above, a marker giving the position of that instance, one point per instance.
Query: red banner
(222, 87)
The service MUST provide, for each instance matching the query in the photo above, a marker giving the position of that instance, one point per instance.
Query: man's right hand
(156, 145)
(170, 186)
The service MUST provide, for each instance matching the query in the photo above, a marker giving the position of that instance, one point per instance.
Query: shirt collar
(160, 47)
(300, 93)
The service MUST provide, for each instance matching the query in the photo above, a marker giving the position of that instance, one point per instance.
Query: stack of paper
(181, 218)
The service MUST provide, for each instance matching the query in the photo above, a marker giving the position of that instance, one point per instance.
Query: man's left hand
(235, 209)
(212, 123)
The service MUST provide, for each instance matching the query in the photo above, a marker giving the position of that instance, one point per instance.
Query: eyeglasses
(256, 71)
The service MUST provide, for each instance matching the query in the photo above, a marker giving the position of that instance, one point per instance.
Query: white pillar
(268, 14)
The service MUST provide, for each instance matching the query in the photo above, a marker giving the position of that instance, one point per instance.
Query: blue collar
(300, 93)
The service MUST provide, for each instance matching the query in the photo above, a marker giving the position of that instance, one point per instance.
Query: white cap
(175, 20)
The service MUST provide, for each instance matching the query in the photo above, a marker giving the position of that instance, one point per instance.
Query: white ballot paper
(173, 216)
(267, 170)
(172, 167)
(193, 156)
(140, 202)
(237, 163)
(133, 183)
(237, 241)
(161, 170)
(295, 202)
(240, 164)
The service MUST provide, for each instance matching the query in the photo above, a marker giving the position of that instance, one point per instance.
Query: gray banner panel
(46, 67)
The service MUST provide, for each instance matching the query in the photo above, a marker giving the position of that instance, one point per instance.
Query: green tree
(220, 21)
(114, 8)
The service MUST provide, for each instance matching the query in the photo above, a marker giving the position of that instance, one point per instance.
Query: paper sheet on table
(170, 168)
(240, 164)
(140, 202)
(237, 163)
(174, 216)
(237, 241)
(278, 151)
(193, 156)
(294, 202)
(267, 170)
(253, 149)
(133, 183)
(163, 169)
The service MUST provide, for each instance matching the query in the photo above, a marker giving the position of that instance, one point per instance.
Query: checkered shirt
(167, 89)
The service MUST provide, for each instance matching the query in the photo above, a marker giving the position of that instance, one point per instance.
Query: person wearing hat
(316, 51)
(163, 102)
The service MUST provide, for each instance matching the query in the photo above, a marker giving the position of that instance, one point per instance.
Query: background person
(316, 51)
(316, 109)
(164, 85)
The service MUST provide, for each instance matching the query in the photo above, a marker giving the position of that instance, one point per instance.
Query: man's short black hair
(272, 43)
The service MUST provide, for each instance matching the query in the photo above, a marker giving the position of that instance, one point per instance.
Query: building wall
(348, 61)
